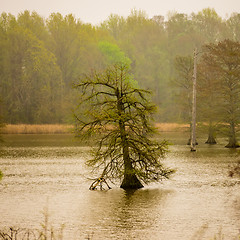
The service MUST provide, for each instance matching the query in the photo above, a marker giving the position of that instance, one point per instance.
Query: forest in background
(41, 59)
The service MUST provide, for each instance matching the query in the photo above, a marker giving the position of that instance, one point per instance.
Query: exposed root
(99, 182)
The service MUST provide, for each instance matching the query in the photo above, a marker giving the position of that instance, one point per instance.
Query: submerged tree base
(131, 181)
(232, 145)
(211, 140)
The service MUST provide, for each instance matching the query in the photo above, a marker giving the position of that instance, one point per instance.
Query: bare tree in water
(224, 58)
(118, 115)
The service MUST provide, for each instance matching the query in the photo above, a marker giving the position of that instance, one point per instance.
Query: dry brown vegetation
(37, 129)
(172, 127)
(62, 129)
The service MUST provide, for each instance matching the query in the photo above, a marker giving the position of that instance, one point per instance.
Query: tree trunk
(211, 139)
(193, 132)
(189, 141)
(232, 142)
(130, 180)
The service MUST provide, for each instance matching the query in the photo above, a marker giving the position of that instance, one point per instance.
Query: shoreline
(69, 129)
(37, 129)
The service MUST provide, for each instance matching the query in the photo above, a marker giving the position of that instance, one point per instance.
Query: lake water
(45, 175)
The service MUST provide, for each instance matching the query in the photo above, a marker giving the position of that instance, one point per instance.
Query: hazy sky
(96, 11)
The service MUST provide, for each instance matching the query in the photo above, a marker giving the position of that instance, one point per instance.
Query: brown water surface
(47, 173)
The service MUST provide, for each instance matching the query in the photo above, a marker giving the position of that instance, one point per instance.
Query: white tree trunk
(193, 134)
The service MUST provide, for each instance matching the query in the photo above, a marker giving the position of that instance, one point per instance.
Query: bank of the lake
(66, 129)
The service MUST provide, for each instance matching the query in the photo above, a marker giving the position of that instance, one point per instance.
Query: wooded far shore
(68, 129)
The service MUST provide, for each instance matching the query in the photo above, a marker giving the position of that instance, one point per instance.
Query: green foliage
(116, 57)
(41, 58)
(113, 54)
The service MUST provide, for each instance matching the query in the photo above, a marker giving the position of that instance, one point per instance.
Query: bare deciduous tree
(225, 59)
(119, 114)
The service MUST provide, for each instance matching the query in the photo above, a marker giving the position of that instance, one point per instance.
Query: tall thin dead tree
(194, 105)
(184, 81)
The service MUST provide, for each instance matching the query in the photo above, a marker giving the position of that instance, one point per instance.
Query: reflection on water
(196, 203)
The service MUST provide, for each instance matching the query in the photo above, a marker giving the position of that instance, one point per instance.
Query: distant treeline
(40, 58)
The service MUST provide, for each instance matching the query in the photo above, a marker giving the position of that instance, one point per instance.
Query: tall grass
(37, 129)
(45, 232)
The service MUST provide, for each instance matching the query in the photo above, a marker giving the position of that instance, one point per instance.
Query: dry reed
(37, 129)
(63, 129)
(172, 127)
